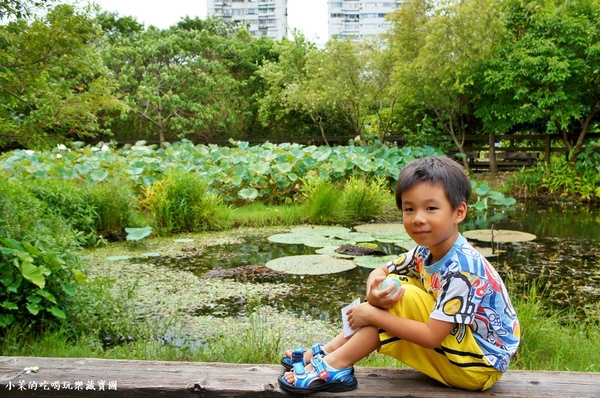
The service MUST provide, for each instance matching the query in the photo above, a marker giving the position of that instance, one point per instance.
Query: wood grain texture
(90, 377)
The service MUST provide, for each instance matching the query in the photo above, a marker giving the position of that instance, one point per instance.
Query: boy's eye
(430, 208)
(408, 209)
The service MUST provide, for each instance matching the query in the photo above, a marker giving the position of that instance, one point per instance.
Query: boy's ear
(461, 212)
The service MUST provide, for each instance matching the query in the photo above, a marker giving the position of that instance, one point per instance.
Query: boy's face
(429, 219)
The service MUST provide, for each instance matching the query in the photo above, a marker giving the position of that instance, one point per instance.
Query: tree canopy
(445, 70)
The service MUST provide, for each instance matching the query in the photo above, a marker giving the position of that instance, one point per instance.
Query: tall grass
(365, 200)
(182, 202)
(261, 215)
(323, 204)
(555, 339)
(355, 200)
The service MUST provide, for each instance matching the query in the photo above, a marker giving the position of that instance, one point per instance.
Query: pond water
(564, 261)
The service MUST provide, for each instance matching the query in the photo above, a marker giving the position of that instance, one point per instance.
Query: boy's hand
(382, 298)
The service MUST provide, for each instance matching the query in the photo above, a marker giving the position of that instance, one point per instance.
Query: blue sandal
(322, 378)
(298, 358)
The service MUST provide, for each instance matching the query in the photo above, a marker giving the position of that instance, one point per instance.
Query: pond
(564, 260)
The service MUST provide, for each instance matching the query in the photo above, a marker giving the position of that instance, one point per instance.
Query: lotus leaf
(382, 228)
(488, 251)
(322, 241)
(248, 193)
(138, 233)
(287, 238)
(323, 230)
(404, 243)
(373, 261)
(330, 250)
(356, 236)
(498, 235)
(312, 264)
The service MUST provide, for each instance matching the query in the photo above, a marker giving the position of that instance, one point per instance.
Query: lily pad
(152, 254)
(488, 251)
(373, 261)
(498, 235)
(322, 241)
(330, 250)
(406, 243)
(312, 264)
(288, 238)
(356, 236)
(324, 230)
(379, 228)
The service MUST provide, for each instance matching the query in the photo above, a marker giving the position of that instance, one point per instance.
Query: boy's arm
(428, 335)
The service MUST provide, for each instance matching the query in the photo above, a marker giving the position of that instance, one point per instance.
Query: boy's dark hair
(436, 170)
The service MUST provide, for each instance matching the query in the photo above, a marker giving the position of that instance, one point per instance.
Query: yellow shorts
(457, 362)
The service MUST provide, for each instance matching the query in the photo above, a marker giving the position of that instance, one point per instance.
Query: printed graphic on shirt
(468, 291)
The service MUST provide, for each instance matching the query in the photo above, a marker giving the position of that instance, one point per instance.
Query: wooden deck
(84, 377)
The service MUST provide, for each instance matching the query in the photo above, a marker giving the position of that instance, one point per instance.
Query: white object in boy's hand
(387, 282)
(348, 331)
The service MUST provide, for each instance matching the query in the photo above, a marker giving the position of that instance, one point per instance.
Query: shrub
(323, 203)
(115, 208)
(38, 265)
(67, 199)
(365, 200)
(181, 202)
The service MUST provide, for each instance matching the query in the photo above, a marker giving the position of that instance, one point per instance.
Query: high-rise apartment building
(359, 19)
(264, 17)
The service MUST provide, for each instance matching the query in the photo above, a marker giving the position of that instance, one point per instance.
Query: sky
(308, 16)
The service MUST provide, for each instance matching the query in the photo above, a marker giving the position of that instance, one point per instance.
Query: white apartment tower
(359, 19)
(264, 17)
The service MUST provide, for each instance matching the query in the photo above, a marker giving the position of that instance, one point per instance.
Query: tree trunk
(319, 123)
(492, 154)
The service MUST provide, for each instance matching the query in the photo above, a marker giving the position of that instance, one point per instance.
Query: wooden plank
(89, 377)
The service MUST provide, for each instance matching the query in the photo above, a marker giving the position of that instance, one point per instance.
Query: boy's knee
(415, 304)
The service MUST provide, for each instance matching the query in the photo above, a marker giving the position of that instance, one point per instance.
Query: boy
(451, 319)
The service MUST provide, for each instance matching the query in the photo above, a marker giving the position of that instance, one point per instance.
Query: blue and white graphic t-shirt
(467, 290)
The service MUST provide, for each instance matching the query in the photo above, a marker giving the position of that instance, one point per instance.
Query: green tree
(438, 47)
(344, 86)
(288, 68)
(186, 82)
(20, 8)
(545, 71)
(53, 84)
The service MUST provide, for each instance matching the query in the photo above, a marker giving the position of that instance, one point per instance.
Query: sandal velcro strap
(298, 363)
(298, 353)
(320, 367)
(317, 349)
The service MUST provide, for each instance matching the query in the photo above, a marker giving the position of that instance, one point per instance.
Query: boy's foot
(319, 376)
(301, 356)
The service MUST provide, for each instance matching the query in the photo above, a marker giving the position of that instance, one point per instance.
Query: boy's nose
(419, 218)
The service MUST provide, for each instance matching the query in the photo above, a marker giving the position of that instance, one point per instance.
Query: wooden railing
(511, 151)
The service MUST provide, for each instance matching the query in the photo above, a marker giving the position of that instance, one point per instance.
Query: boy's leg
(328, 348)
(353, 349)
(359, 345)
(458, 362)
